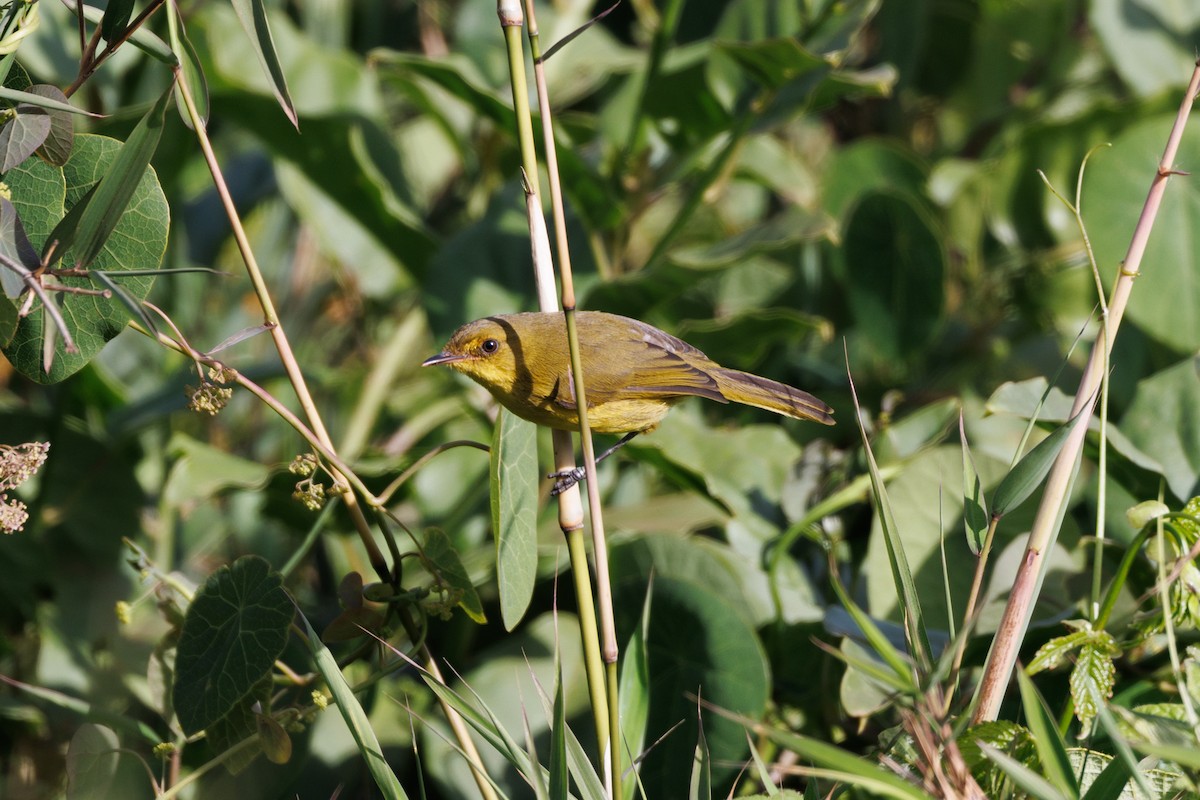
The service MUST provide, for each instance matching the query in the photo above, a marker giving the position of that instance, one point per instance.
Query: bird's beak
(442, 358)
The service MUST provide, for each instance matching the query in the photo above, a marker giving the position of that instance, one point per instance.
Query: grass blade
(354, 715)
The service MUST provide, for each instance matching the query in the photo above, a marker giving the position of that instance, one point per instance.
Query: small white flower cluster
(17, 464)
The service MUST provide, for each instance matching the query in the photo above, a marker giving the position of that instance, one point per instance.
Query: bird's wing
(663, 367)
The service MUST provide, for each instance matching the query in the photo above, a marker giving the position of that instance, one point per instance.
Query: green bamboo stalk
(608, 633)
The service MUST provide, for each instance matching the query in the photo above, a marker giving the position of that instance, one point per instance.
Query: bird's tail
(751, 390)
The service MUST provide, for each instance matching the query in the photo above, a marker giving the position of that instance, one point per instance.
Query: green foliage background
(796, 185)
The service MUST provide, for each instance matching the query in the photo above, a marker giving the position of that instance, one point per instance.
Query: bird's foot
(564, 479)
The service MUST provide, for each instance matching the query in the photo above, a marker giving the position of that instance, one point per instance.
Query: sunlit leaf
(253, 16)
(514, 497)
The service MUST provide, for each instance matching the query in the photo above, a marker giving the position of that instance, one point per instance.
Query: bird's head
(483, 350)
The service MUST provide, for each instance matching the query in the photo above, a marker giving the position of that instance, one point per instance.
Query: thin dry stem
(1011, 632)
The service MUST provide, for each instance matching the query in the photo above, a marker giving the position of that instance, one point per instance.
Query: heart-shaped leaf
(235, 628)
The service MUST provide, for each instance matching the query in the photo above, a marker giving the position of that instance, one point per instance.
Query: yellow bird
(634, 374)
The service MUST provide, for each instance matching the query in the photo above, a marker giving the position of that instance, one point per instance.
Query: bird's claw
(564, 479)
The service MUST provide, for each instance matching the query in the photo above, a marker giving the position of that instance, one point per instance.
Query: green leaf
(240, 723)
(118, 186)
(191, 71)
(1125, 756)
(92, 761)
(895, 268)
(1052, 654)
(559, 782)
(200, 471)
(700, 787)
(41, 97)
(15, 247)
(843, 765)
(235, 628)
(773, 62)
(1031, 470)
(899, 675)
(115, 19)
(865, 166)
(697, 643)
(1093, 677)
(514, 497)
(1117, 181)
(252, 14)
(1110, 783)
(42, 195)
(444, 562)
(56, 148)
(914, 618)
(975, 516)
(1050, 746)
(1147, 44)
(633, 693)
(23, 134)
(790, 227)
(142, 38)
(355, 717)
(1023, 776)
(1160, 421)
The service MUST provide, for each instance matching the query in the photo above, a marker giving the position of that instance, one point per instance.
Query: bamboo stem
(1003, 656)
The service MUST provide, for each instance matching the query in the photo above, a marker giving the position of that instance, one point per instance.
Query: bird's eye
(489, 346)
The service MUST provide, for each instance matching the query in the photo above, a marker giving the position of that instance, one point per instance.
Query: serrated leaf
(252, 14)
(235, 628)
(1093, 678)
(1001, 734)
(1031, 470)
(1054, 652)
(514, 490)
(442, 560)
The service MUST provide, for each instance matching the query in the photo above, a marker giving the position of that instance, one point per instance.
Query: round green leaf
(42, 196)
(235, 628)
